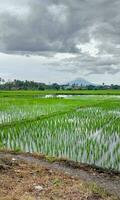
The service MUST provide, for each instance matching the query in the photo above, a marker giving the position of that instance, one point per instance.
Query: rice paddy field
(84, 128)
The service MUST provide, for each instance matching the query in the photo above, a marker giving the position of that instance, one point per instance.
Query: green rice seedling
(83, 130)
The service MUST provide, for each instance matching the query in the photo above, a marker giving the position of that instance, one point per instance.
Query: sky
(60, 40)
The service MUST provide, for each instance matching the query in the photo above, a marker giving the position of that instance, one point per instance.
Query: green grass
(81, 92)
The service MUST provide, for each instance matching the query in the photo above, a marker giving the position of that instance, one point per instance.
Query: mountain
(79, 82)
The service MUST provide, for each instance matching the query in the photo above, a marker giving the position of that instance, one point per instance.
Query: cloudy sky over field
(59, 40)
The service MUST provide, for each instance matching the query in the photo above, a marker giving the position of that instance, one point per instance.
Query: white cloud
(90, 48)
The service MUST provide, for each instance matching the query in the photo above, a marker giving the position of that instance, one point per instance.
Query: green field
(84, 128)
(73, 92)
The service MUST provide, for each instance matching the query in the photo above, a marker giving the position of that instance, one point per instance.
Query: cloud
(48, 26)
(89, 30)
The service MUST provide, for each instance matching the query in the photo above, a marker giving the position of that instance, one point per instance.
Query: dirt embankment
(33, 177)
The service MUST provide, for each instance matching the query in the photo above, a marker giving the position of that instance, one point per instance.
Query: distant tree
(55, 86)
(1, 80)
(90, 87)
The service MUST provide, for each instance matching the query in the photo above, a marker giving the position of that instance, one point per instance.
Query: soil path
(109, 181)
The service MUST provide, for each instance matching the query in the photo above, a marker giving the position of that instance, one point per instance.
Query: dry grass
(18, 181)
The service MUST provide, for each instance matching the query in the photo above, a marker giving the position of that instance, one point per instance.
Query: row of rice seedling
(21, 109)
(88, 135)
(15, 113)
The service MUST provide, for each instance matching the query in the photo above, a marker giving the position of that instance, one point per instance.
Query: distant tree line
(26, 85)
(31, 85)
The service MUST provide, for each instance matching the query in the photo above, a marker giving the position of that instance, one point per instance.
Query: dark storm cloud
(46, 27)
(50, 26)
